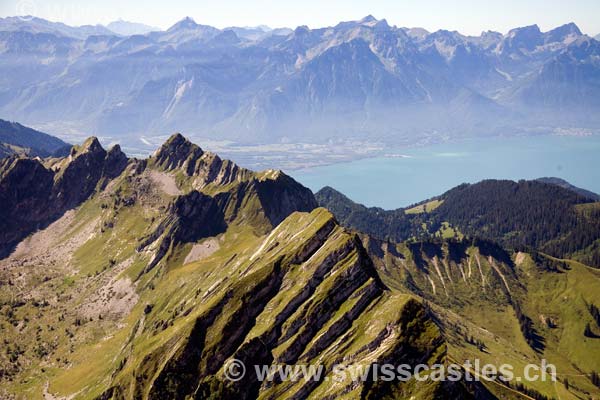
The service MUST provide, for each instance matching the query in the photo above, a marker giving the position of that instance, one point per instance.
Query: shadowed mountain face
(359, 79)
(146, 278)
(18, 139)
(33, 192)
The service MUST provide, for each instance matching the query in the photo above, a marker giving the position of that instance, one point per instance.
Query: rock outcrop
(179, 154)
(33, 196)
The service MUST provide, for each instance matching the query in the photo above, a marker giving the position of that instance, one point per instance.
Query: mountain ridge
(155, 274)
(18, 139)
(127, 28)
(271, 86)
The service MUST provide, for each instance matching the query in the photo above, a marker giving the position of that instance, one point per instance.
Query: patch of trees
(595, 378)
(524, 213)
(533, 339)
(475, 342)
(595, 312)
(519, 387)
(383, 224)
(589, 333)
(549, 264)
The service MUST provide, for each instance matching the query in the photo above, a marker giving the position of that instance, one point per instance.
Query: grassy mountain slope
(481, 294)
(158, 272)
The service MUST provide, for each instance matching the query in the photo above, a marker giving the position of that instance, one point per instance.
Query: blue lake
(392, 182)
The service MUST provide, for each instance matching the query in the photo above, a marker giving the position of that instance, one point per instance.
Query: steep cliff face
(189, 218)
(83, 169)
(34, 193)
(25, 191)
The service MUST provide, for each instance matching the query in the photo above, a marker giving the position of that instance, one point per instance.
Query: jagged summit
(301, 30)
(178, 154)
(185, 23)
(175, 152)
(176, 140)
(261, 199)
(570, 27)
(91, 144)
(369, 18)
(529, 29)
(566, 32)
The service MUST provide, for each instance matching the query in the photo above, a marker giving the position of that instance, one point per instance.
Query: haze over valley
(358, 84)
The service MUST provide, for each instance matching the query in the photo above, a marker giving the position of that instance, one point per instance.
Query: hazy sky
(469, 17)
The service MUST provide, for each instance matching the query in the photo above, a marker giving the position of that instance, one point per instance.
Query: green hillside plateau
(143, 279)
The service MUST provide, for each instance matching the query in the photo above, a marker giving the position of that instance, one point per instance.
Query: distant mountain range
(357, 80)
(18, 139)
(126, 28)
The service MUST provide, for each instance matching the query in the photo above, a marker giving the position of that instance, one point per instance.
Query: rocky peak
(527, 37)
(567, 32)
(531, 30)
(203, 167)
(115, 162)
(416, 33)
(301, 31)
(521, 39)
(186, 23)
(368, 19)
(489, 39)
(227, 37)
(76, 180)
(382, 25)
(177, 152)
(91, 144)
